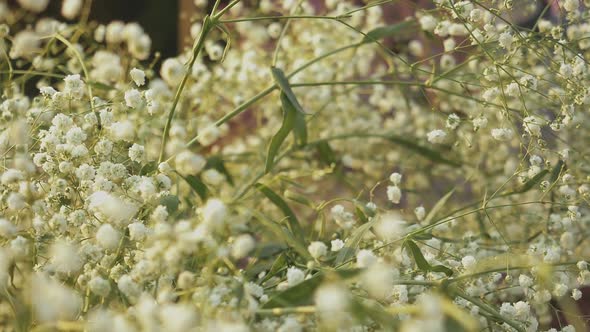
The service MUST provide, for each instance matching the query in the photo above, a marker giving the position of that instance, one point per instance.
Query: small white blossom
(138, 76)
(437, 136)
(336, 245)
(317, 249)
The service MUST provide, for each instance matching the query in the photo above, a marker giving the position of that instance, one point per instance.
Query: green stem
(225, 9)
(286, 17)
(208, 25)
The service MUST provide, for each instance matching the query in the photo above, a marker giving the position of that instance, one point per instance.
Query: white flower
(128, 287)
(122, 131)
(506, 39)
(108, 237)
(214, 213)
(294, 276)
(36, 6)
(138, 76)
(65, 258)
(74, 86)
(525, 281)
(133, 98)
(188, 163)
(136, 152)
(394, 194)
(468, 262)
(420, 212)
(576, 294)
(395, 178)
(436, 136)
(390, 227)
(336, 245)
(114, 32)
(378, 279)
(25, 44)
(71, 8)
(111, 207)
(208, 135)
(343, 218)
(502, 134)
(571, 5)
(317, 249)
(53, 301)
(242, 246)
(428, 23)
(532, 125)
(172, 71)
(331, 298)
(137, 231)
(11, 176)
(365, 258)
(453, 121)
(99, 286)
(177, 317)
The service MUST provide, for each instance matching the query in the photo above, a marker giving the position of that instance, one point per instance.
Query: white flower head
(113, 208)
(317, 249)
(138, 76)
(436, 136)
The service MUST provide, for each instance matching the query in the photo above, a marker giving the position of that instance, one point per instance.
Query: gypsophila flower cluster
(304, 166)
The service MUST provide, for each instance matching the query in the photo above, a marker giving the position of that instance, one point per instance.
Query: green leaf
(269, 250)
(439, 205)
(277, 140)
(531, 182)
(277, 265)
(423, 151)
(299, 126)
(387, 31)
(100, 86)
(148, 168)
(171, 203)
(217, 163)
(422, 263)
(282, 233)
(283, 83)
(301, 294)
(557, 170)
(197, 185)
(326, 154)
(360, 214)
(284, 207)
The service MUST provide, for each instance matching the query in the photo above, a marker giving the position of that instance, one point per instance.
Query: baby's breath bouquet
(304, 166)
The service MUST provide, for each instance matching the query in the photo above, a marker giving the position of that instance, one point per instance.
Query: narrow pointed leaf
(197, 185)
(278, 139)
(422, 263)
(282, 233)
(387, 31)
(299, 125)
(557, 170)
(284, 207)
(283, 83)
(531, 182)
(428, 153)
(439, 205)
(216, 162)
(326, 154)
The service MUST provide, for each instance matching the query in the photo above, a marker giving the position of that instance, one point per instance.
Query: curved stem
(208, 25)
